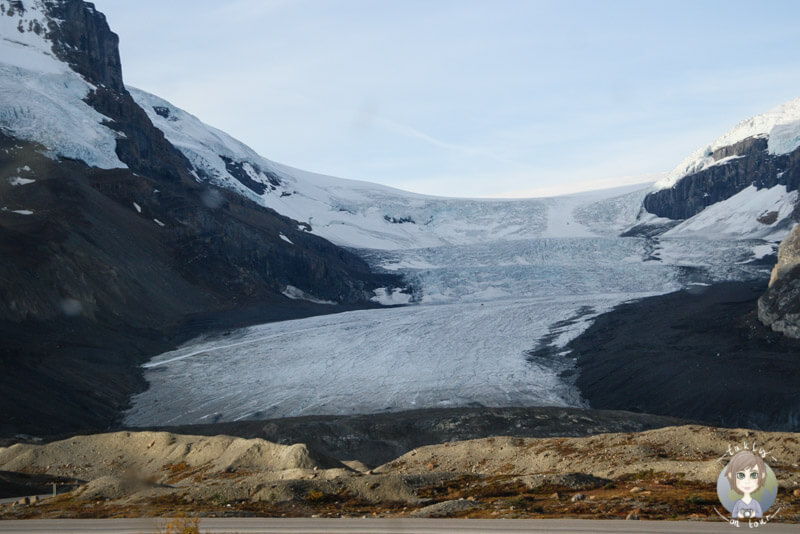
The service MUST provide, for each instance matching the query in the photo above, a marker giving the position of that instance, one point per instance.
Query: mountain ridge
(121, 238)
(111, 249)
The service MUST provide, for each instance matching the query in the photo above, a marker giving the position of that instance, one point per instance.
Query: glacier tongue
(484, 308)
(494, 281)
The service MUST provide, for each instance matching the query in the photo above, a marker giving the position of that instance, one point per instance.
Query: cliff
(108, 260)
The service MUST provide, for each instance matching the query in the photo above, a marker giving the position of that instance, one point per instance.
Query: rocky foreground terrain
(664, 473)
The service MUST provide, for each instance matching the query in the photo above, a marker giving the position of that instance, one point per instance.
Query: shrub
(181, 525)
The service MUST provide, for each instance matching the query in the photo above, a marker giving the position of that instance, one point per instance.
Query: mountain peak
(63, 88)
(780, 126)
(83, 39)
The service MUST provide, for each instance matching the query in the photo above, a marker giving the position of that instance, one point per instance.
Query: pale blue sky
(466, 98)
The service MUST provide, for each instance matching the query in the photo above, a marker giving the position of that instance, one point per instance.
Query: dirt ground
(666, 473)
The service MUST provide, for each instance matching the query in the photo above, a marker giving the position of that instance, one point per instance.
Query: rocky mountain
(128, 226)
(743, 184)
(111, 247)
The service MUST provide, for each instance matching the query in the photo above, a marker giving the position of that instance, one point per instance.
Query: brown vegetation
(660, 474)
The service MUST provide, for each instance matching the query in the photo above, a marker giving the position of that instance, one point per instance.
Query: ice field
(481, 309)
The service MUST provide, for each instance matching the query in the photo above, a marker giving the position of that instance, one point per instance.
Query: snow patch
(405, 261)
(784, 138)
(285, 239)
(17, 180)
(137, 207)
(295, 293)
(27, 48)
(645, 217)
(159, 222)
(737, 217)
(391, 297)
(724, 161)
(18, 212)
(760, 251)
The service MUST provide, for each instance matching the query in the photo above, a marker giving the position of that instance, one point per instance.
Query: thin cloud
(413, 133)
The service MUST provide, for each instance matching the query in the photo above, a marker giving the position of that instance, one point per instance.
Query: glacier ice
(483, 308)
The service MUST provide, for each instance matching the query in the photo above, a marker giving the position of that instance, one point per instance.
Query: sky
(466, 98)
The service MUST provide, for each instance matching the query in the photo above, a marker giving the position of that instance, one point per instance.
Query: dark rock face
(779, 307)
(143, 148)
(102, 269)
(237, 170)
(93, 284)
(755, 166)
(700, 354)
(85, 42)
(163, 111)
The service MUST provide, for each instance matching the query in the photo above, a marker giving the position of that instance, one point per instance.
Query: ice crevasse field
(468, 336)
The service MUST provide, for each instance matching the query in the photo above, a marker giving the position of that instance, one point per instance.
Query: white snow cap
(364, 215)
(780, 125)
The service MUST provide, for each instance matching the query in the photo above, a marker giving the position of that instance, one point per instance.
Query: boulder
(779, 307)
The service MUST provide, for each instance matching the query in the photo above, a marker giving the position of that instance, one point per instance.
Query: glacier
(491, 282)
(481, 311)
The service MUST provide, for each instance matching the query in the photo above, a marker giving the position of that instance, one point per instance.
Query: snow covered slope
(365, 215)
(781, 126)
(42, 98)
(750, 214)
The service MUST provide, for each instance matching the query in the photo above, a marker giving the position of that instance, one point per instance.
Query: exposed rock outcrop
(83, 40)
(102, 268)
(779, 307)
(750, 164)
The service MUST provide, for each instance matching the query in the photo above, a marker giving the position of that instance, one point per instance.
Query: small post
(54, 489)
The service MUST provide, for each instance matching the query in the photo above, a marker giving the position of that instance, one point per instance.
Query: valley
(190, 328)
(480, 312)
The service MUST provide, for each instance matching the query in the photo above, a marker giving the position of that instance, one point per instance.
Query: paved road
(384, 526)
